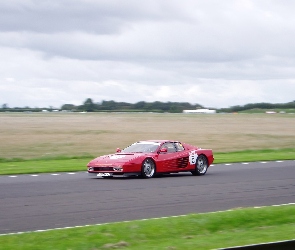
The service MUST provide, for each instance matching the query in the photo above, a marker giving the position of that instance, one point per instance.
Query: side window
(179, 146)
(170, 147)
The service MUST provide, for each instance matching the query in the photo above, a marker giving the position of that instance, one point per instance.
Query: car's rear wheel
(201, 165)
(148, 168)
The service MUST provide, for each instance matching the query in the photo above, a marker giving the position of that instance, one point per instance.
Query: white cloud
(215, 53)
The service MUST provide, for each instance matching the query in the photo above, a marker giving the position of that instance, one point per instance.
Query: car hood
(115, 158)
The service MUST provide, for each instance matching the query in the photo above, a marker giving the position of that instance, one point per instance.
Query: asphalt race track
(45, 201)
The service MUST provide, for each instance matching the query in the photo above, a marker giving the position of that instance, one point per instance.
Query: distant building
(199, 111)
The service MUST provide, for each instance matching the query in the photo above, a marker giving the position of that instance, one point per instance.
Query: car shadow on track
(136, 177)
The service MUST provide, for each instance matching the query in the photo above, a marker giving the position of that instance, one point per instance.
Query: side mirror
(163, 150)
(118, 150)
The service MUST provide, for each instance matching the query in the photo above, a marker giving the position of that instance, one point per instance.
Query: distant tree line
(90, 106)
(263, 105)
(172, 107)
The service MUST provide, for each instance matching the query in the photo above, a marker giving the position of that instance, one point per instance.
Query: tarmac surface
(47, 201)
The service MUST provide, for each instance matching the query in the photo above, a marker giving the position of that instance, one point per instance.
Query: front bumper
(93, 174)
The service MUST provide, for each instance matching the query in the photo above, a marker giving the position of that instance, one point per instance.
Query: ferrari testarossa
(152, 157)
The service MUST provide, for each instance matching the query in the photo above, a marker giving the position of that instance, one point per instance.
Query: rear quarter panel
(208, 153)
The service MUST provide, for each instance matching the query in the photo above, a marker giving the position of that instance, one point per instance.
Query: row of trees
(263, 105)
(90, 106)
(173, 107)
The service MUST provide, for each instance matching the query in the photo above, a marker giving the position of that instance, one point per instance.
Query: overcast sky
(212, 52)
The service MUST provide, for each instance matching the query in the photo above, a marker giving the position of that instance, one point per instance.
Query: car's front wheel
(201, 165)
(148, 168)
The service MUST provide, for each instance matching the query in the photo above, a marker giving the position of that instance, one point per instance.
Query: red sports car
(152, 157)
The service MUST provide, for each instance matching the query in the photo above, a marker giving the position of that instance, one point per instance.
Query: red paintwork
(165, 162)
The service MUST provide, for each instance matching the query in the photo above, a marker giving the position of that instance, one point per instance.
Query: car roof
(160, 141)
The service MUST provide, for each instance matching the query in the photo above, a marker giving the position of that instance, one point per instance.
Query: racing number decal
(193, 157)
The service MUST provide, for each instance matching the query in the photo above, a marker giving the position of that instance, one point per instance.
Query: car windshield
(141, 147)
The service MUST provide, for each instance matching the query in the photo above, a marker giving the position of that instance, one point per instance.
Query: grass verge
(194, 231)
(72, 164)
(255, 155)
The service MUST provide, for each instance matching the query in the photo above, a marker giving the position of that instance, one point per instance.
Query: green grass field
(193, 231)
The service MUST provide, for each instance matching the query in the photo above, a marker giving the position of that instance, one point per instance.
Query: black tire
(201, 165)
(148, 168)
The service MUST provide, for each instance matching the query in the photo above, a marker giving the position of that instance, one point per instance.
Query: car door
(181, 155)
(166, 160)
